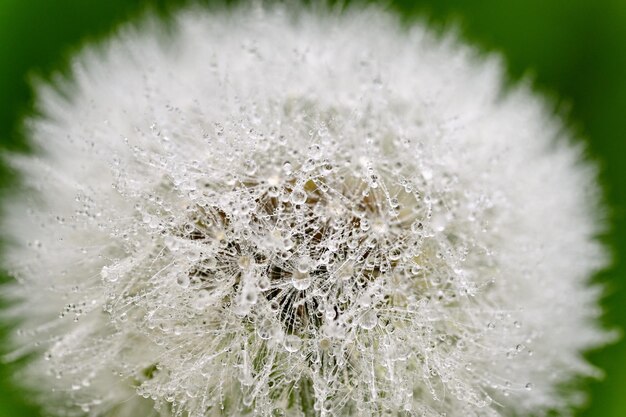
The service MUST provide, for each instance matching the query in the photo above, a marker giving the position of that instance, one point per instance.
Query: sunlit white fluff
(272, 212)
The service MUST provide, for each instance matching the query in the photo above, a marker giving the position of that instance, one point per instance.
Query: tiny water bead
(369, 320)
(293, 343)
(298, 196)
(300, 280)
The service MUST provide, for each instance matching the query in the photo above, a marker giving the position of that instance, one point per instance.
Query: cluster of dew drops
(307, 268)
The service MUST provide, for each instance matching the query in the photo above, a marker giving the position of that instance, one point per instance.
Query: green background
(573, 50)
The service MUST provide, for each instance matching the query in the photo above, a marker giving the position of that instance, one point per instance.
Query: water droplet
(273, 191)
(264, 283)
(298, 196)
(278, 412)
(369, 320)
(183, 280)
(315, 151)
(249, 295)
(264, 329)
(292, 343)
(250, 166)
(394, 254)
(300, 280)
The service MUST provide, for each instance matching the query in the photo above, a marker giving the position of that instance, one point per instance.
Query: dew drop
(249, 295)
(264, 330)
(369, 320)
(183, 280)
(298, 196)
(292, 343)
(264, 283)
(300, 280)
(273, 191)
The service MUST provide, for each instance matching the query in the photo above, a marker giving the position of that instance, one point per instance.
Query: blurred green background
(574, 50)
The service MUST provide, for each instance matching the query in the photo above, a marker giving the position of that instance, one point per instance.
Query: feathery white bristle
(277, 212)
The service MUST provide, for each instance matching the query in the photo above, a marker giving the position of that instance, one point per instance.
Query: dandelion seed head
(275, 213)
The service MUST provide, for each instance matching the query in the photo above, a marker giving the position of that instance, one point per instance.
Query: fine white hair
(277, 212)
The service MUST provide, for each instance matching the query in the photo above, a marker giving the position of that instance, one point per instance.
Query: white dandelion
(271, 212)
